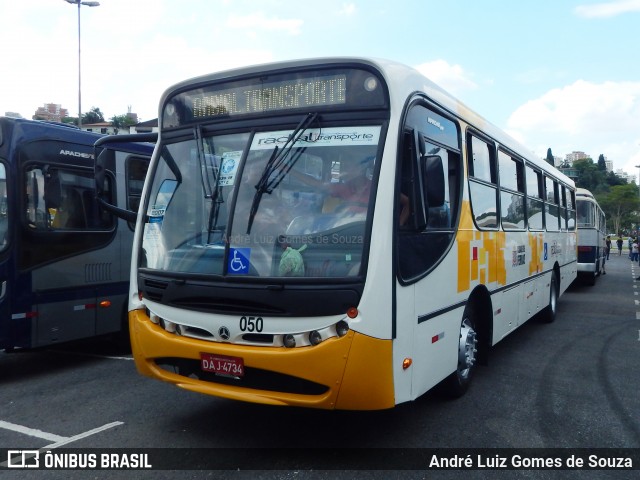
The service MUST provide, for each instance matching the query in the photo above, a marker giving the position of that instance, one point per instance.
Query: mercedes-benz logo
(224, 333)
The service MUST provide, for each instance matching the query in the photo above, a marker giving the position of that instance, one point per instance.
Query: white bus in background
(338, 233)
(592, 233)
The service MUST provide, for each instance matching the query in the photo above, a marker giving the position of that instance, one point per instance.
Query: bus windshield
(280, 203)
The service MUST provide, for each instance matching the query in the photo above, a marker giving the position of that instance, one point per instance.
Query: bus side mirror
(100, 172)
(433, 180)
(102, 159)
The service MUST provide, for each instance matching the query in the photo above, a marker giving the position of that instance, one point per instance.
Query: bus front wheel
(456, 384)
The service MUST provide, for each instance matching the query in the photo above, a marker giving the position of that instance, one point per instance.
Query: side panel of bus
(5, 239)
(498, 250)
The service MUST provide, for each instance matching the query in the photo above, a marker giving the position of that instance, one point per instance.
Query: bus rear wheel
(456, 384)
(549, 313)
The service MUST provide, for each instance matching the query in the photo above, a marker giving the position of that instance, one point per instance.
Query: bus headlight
(314, 337)
(289, 341)
(342, 328)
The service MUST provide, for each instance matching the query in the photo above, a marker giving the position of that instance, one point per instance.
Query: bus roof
(34, 129)
(583, 192)
(404, 81)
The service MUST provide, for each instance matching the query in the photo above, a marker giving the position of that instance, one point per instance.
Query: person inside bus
(351, 192)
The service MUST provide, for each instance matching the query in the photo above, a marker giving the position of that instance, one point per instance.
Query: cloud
(347, 9)
(452, 78)
(591, 117)
(258, 21)
(607, 9)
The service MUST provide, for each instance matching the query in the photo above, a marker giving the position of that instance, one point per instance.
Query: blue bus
(64, 261)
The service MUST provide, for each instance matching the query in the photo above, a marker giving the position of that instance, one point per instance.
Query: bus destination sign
(265, 97)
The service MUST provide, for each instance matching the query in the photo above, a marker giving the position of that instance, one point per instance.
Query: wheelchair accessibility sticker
(239, 261)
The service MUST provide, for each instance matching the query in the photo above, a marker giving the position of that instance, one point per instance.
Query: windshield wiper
(279, 162)
(171, 163)
(210, 185)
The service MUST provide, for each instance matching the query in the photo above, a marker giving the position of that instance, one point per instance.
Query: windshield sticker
(229, 168)
(157, 213)
(239, 261)
(326, 137)
(152, 236)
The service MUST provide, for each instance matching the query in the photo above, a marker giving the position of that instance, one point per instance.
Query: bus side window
(69, 213)
(62, 199)
(482, 182)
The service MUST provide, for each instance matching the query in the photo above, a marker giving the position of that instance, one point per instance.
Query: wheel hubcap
(467, 349)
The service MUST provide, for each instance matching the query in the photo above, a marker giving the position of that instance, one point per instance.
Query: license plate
(222, 364)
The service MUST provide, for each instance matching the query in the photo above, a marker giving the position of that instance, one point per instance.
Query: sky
(559, 74)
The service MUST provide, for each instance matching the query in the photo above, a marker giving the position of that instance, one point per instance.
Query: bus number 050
(251, 324)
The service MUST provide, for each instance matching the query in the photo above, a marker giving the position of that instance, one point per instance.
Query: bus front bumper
(350, 373)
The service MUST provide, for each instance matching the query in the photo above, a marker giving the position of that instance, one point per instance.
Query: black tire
(590, 279)
(548, 315)
(456, 384)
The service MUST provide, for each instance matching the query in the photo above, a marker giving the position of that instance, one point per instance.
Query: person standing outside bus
(619, 243)
(607, 243)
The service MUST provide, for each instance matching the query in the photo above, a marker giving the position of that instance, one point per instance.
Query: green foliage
(590, 177)
(602, 166)
(550, 159)
(121, 121)
(621, 205)
(619, 200)
(93, 116)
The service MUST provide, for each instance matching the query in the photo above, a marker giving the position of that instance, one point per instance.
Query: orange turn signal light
(352, 312)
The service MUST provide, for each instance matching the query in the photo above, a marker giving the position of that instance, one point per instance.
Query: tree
(550, 159)
(621, 206)
(93, 116)
(589, 176)
(602, 166)
(613, 180)
(121, 121)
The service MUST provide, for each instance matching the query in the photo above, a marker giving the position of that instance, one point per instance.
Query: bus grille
(254, 378)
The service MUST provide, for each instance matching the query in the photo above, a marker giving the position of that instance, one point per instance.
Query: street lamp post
(88, 4)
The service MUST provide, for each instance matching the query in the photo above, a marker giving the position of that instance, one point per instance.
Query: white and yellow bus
(338, 233)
